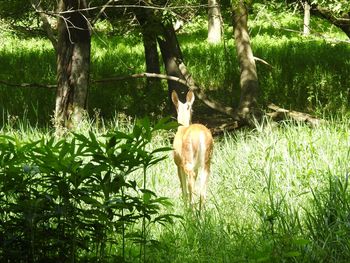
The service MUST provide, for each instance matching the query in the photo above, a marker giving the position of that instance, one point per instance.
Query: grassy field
(277, 192)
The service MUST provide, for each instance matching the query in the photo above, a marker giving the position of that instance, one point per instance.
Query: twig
(101, 12)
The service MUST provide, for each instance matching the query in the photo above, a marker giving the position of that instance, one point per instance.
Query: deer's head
(184, 110)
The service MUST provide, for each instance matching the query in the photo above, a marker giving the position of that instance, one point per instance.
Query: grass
(306, 74)
(268, 196)
(278, 193)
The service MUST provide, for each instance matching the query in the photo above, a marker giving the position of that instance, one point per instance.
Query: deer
(193, 146)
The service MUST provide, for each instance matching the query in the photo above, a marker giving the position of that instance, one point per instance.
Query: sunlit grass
(269, 193)
(260, 196)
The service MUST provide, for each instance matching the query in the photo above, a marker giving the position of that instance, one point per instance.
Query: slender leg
(191, 175)
(183, 183)
(203, 181)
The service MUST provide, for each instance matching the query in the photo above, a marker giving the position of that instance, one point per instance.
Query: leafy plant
(76, 197)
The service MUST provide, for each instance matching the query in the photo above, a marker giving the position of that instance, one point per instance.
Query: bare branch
(28, 85)
(36, 4)
(263, 61)
(104, 7)
(102, 10)
(188, 82)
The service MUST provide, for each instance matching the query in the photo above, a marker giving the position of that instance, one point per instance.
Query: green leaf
(301, 241)
(292, 254)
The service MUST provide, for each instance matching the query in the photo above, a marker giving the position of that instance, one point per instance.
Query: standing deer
(193, 145)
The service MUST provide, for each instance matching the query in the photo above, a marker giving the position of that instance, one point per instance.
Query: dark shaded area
(305, 75)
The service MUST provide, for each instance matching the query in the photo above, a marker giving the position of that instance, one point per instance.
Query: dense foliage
(107, 193)
(75, 198)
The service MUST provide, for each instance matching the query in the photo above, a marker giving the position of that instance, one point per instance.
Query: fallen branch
(28, 85)
(188, 82)
(202, 96)
(282, 114)
(263, 62)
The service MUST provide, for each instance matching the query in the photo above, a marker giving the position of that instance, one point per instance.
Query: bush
(75, 199)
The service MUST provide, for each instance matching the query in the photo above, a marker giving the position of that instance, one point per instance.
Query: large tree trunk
(249, 80)
(172, 57)
(214, 22)
(150, 28)
(73, 64)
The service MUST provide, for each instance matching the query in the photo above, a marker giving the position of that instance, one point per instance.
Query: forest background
(107, 190)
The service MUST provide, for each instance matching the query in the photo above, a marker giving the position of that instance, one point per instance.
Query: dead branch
(282, 114)
(263, 61)
(28, 85)
(102, 11)
(201, 95)
(188, 82)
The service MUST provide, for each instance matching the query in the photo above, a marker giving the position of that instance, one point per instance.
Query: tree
(71, 42)
(306, 18)
(336, 12)
(172, 57)
(73, 63)
(339, 19)
(247, 107)
(214, 22)
(150, 29)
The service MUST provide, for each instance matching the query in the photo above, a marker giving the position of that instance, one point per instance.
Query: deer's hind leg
(203, 182)
(183, 183)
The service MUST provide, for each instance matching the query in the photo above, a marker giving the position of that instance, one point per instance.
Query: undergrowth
(278, 193)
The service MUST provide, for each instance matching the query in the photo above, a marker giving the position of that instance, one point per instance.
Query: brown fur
(193, 146)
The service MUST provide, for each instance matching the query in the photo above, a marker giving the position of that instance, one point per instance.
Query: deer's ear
(175, 98)
(190, 97)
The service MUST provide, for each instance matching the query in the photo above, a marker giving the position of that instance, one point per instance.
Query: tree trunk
(73, 64)
(150, 28)
(341, 21)
(306, 18)
(172, 57)
(214, 22)
(249, 80)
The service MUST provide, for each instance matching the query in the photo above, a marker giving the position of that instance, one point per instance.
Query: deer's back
(193, 144)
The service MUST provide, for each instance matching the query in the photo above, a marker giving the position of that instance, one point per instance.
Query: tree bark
(73, 64)
(247, 107)
(341, 21)
(214, 22)
(306, 18)
(149, 28)
(172, 56)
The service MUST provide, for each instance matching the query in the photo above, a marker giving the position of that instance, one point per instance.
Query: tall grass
(278, 193)
(275, 194)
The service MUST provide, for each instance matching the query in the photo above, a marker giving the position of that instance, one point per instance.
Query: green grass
(269, 195)
(306, 74)
(277, 193)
